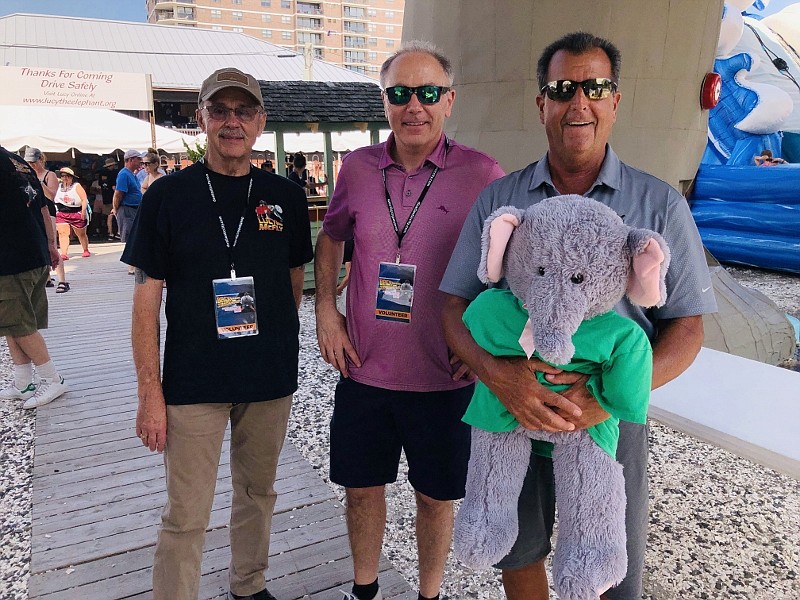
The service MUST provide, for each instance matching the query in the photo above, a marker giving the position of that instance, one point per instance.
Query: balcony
(178, 16)
(351, 27)
(306, 23)
(309, 8)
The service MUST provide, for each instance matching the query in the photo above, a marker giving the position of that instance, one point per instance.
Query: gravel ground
(720, 527)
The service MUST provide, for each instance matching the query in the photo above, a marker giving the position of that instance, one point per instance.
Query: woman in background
(71, 214)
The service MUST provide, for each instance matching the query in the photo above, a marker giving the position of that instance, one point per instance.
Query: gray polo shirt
(639, 198)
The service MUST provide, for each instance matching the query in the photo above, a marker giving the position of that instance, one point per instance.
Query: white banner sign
(26, 86)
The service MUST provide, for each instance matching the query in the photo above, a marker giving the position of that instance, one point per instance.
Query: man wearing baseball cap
(217, 232)
(127, 195)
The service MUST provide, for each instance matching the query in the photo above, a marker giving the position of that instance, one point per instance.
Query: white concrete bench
(749, 408)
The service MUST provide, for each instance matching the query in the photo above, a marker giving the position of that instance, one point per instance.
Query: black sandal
(62, 287)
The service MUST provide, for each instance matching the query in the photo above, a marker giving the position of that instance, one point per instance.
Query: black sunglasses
(564, 89)
(426, 94)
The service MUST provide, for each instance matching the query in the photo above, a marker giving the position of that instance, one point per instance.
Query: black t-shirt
(177, 237)
(107, 179)
(23, 245)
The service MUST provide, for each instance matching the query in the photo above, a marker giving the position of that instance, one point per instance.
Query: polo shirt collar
(610, 172)
(436, 157)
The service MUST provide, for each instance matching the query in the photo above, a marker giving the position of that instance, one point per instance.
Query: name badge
(235, 307)
(395, 292)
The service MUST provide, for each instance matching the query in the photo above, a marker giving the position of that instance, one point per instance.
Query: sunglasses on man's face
(245, 114)
(398, 95)
(564, 89)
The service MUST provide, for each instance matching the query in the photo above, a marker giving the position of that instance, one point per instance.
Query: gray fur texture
(569, 259)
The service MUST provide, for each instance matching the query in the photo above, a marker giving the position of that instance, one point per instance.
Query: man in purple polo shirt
(400, 387)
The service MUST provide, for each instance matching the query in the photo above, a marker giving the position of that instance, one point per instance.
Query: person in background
(267, 166)
(27, 251)
(107, 179)
(71, 215)
(767, 160)
(398, 389)
(127, 195)
(153, 167)
(49, 180)
(299, 175)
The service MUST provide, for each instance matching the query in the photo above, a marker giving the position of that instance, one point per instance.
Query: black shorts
(371, 425)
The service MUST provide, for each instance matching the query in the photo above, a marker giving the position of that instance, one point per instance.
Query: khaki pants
(194, 444)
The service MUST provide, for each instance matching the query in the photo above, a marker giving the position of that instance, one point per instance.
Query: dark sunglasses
(245, 114)
(426, 94)
(564, 89)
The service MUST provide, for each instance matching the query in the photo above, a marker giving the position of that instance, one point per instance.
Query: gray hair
(425, 48)
(579, 42)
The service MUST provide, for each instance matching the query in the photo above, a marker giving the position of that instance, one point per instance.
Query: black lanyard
(228, 245)
(401, 234)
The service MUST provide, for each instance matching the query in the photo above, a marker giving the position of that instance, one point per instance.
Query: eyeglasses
(245, 114)
(398, 95)
(564, 89)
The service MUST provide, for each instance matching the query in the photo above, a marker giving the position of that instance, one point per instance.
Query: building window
(355, 57)
(356, 68)
(390, 29)
(266, 3)
(308, 8)
(237, 29)
(372, 55)
(389, 14)
(353, 12)
(308, 23)
(286, 3)
(236, 15)
(216, 13)
(266, 33)
(371, 12)
(216, 28)
(266, 18)
(304, 37)
(390, 43)
(351, 41)
(286, 35)
(372, 28)
(236, 1)
(372, 41)
(286, 19)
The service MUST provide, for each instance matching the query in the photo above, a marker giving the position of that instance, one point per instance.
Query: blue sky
(118, 10)
(134, 10)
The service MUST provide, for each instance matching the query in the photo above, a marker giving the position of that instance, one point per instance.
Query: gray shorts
(536, 510)
(125, 218)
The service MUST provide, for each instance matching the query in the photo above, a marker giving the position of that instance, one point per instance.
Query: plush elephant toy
(567, 260)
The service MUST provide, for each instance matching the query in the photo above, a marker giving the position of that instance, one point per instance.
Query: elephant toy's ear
(649, 262)
(497, 231)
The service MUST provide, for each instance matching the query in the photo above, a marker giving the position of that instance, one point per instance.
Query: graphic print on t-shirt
(270, 216)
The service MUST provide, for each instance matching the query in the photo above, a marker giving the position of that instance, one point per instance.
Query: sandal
(62, 287)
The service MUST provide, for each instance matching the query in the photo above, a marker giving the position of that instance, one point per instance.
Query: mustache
(229, 132)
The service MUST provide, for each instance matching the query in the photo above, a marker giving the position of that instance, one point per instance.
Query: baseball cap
(133, 154)
(230, 78)
(32, 154)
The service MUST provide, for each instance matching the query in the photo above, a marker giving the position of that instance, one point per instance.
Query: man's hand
(151, 419)
(513, 381)
(54, 256)
(462, 370)
(591, 411)
(334, 343)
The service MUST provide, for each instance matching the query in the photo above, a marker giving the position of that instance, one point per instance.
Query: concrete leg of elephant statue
(487, 525)
(590, 555)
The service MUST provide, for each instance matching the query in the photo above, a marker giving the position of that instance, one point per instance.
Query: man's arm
(513, 380)
(116, 200)
(151, 417)
(332, 337)
(297, 274)
(675, 347)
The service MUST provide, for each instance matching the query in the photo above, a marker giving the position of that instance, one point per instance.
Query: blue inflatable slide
(750, 215)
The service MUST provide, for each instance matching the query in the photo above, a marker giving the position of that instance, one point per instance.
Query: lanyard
(401, 234)
(222, 223)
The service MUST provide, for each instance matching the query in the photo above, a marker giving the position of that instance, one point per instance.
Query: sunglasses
(398, 95)
(245, 114)
(564, 89)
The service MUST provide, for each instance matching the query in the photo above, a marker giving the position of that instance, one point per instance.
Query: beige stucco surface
(667, 47)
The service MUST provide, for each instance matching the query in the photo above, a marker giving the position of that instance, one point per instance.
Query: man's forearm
(48, 226)
(675, 347)
(297, 275)
(116, 200)
(327, 263)
(460, 340)
(145, 329)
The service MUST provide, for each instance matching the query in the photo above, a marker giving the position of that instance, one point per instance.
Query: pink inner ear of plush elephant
(644, 280)
(499, 233)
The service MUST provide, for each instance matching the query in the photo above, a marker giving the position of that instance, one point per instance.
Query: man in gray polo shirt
(578, 76)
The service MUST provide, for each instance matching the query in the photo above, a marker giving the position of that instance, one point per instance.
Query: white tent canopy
(308, 142)
(90, 130)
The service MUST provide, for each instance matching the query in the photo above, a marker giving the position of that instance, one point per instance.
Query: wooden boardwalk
(98, 494)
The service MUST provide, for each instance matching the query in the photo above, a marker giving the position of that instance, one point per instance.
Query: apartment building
(356, 34)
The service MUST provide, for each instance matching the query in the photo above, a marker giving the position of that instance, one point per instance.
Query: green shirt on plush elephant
(567, 261)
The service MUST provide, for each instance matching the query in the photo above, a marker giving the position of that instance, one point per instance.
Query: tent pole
(153, 129)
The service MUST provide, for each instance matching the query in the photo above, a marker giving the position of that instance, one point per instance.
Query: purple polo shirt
(404, 356)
